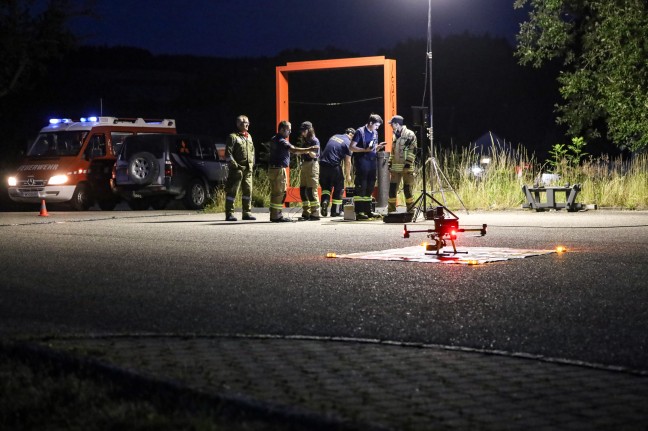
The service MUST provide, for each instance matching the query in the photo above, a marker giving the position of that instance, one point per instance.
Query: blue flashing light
(92, 119)
(59, 120)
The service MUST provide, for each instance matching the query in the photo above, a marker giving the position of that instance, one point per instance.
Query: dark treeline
(477, 86)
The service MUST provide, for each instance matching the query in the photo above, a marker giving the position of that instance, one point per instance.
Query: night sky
(253, 28)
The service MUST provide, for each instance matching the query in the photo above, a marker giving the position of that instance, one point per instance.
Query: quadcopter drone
(446, 228)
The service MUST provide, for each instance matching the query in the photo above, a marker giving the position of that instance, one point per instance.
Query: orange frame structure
(389, 87)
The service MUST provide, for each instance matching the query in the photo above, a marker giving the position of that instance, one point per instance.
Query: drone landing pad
(466, 255)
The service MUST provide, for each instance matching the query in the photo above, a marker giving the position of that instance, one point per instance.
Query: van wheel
(196, 196)
(81, 199)
(143, 168)
(139, 204)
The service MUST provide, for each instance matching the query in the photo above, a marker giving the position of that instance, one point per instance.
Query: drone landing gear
(439, 244)
(445, 229)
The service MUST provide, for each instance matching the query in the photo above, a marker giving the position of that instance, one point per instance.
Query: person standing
(334, 154)
(278, 161)
(365, 146)
(401, 164)
(239, 154)
(310, 172)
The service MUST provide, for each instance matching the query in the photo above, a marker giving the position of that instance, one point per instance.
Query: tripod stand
(420, 204)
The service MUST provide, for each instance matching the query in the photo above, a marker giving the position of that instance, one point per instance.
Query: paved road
(255, 312)
(184, 272)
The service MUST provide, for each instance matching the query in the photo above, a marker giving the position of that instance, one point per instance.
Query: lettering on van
(50, 167)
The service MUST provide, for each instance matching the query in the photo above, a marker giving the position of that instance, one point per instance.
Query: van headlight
(12, 181)
(57, 179)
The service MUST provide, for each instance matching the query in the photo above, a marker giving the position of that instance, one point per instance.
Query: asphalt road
(178, 272)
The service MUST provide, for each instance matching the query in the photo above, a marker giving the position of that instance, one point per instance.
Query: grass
(42, 395)
(606, 182)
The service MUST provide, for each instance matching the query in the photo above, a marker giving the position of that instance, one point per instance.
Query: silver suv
(153, 169)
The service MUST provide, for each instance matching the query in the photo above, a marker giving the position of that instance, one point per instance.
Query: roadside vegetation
(42, 395)
(497, 185)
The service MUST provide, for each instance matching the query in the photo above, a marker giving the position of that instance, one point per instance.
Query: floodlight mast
(421, 203)
(440, 177)
(429, 58)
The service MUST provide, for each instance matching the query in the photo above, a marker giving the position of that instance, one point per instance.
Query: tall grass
(615, 183)
(497, 187)
(260, 194)
(619, 183)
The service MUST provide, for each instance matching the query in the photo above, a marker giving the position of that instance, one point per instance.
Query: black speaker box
(398, 218)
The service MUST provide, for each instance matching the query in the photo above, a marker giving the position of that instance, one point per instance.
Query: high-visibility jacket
(403, 150)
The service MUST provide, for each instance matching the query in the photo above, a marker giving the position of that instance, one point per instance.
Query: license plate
(30, 194)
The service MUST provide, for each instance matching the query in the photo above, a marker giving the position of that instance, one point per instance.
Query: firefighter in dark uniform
(310, 173)
(239, 154)
(365, 146)
(335, 153)
(401, 164)
(278, 162)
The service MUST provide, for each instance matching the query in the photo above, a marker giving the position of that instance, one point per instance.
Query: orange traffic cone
(43, 211)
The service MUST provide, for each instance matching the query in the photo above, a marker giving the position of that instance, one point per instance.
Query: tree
(603, 45)
(32, 35)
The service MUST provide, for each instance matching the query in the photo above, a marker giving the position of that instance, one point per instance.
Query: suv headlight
(12, 181)
(57, 179)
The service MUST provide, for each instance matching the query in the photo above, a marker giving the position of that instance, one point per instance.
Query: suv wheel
(143, 168)
(159, 204)
(196, 196)
(107, 204)
(81, 199)
(138, 204)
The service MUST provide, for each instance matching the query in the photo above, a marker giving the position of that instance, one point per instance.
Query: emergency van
(72, 161)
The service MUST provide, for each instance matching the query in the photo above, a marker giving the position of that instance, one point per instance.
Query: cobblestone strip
(394, 386)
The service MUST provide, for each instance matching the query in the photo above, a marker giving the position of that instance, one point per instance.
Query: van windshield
(57, 144)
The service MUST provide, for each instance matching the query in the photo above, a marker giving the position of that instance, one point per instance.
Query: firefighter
(335, 153)
(239, 154)
(310, 172)
(401, 164)
(279, 160)
(365, 146)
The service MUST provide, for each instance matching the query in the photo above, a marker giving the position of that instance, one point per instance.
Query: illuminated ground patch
(468, 255)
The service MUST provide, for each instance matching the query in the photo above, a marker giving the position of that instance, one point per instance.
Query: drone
(446, 228)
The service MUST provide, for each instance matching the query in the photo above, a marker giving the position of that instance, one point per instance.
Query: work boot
(362, 216)
(230, 217)
(374, 215)
(314, 218)
(248, 216)
(324, 211)
(280, 220)
(336, 210)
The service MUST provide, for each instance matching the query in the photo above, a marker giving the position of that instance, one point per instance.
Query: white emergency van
(71, 161)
